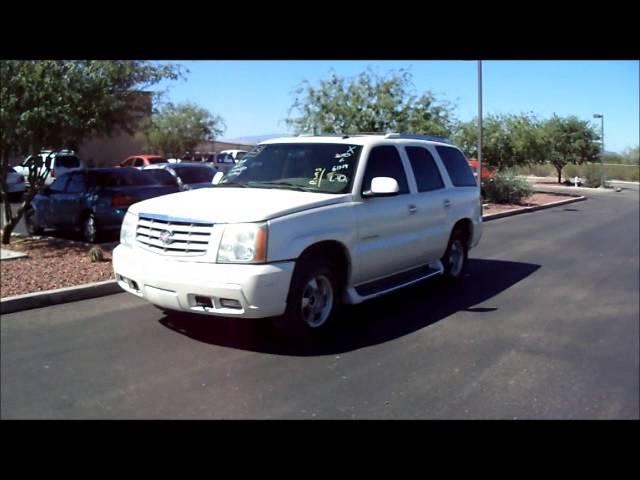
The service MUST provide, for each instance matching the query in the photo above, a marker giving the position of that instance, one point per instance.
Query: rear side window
(122, 178)
(161, 177)
(457, 167)
(67, 161)
(424, 169)
(385, 161)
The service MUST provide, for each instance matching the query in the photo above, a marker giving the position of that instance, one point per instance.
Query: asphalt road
(546, 326)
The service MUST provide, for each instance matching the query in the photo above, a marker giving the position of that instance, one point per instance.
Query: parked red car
(142, 161)
(487, 172)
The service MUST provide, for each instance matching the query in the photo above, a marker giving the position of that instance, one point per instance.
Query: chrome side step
(386, 285)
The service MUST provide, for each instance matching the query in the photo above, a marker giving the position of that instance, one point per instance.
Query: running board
(394, 282)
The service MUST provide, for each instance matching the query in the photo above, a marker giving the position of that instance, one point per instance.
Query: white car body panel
(380, 236)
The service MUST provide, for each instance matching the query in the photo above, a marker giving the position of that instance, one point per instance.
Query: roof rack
(405, 136)
(343, 135)
(409, 136)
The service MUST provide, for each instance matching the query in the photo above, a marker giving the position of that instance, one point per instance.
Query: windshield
(195, 174)
(159, 176)
(316, 167)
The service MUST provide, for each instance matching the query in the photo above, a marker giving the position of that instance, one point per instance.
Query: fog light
(230, 303)
(203, 301)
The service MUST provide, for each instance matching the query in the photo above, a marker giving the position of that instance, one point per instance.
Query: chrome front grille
(173, 236)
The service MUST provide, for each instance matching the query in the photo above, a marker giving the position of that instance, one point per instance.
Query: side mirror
(382, 187)
(217, 177)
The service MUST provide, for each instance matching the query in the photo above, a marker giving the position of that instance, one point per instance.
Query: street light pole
(603, 177)
(480, 130)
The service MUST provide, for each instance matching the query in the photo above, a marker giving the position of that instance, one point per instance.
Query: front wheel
(313, 299)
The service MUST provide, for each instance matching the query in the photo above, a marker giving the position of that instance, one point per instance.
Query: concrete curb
(624, 182)
(495, 216)
(62, 295)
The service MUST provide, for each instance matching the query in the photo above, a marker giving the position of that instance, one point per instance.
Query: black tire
(455, 257)
(32, 227)
(89, 228)
(308, 321)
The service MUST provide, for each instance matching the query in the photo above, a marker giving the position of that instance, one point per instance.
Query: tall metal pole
(604, 176)
(480, 129)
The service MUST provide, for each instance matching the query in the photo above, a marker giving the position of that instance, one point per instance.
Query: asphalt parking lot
(546, 326)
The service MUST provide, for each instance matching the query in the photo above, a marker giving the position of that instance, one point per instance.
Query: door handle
(413, 209)
(446, 203)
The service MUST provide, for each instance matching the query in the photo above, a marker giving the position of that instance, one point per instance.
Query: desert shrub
(506, 187)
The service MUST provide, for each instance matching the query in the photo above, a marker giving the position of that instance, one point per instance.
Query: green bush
(505, 187)
(592, 175)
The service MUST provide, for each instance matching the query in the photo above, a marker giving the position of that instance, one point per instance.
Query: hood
(235, 205)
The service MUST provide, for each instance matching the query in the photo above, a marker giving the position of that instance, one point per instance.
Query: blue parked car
(188, 176)
(92, 201)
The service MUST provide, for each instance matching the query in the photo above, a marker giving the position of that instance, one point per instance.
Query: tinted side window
(425, 169)
(457, 167)
(77, 184)
(138, 162)
(58, 185)
(385, 161)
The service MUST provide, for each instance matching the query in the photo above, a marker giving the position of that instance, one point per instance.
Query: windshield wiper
(290, 185)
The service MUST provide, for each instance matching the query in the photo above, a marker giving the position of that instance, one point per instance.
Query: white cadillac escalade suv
(303, 224)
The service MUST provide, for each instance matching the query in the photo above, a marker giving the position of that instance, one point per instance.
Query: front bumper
(259, 290)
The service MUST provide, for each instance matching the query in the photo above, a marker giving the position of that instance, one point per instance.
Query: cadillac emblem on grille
(166, 237)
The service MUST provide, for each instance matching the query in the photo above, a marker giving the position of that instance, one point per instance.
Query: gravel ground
(51, 263)
(533, 200)
(58, 263)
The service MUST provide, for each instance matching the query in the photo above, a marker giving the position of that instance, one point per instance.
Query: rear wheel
(455, 257)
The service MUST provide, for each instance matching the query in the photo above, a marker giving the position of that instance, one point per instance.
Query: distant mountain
(253, 139)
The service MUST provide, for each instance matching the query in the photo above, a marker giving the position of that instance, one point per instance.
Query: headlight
(128, 229)
(243, 243)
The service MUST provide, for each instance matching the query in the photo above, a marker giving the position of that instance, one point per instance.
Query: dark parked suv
(93, 201)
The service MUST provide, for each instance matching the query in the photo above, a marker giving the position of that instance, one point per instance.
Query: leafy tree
(368, 103)
(569, 140)
(58, 103)
(176, 129)
(508, 140)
